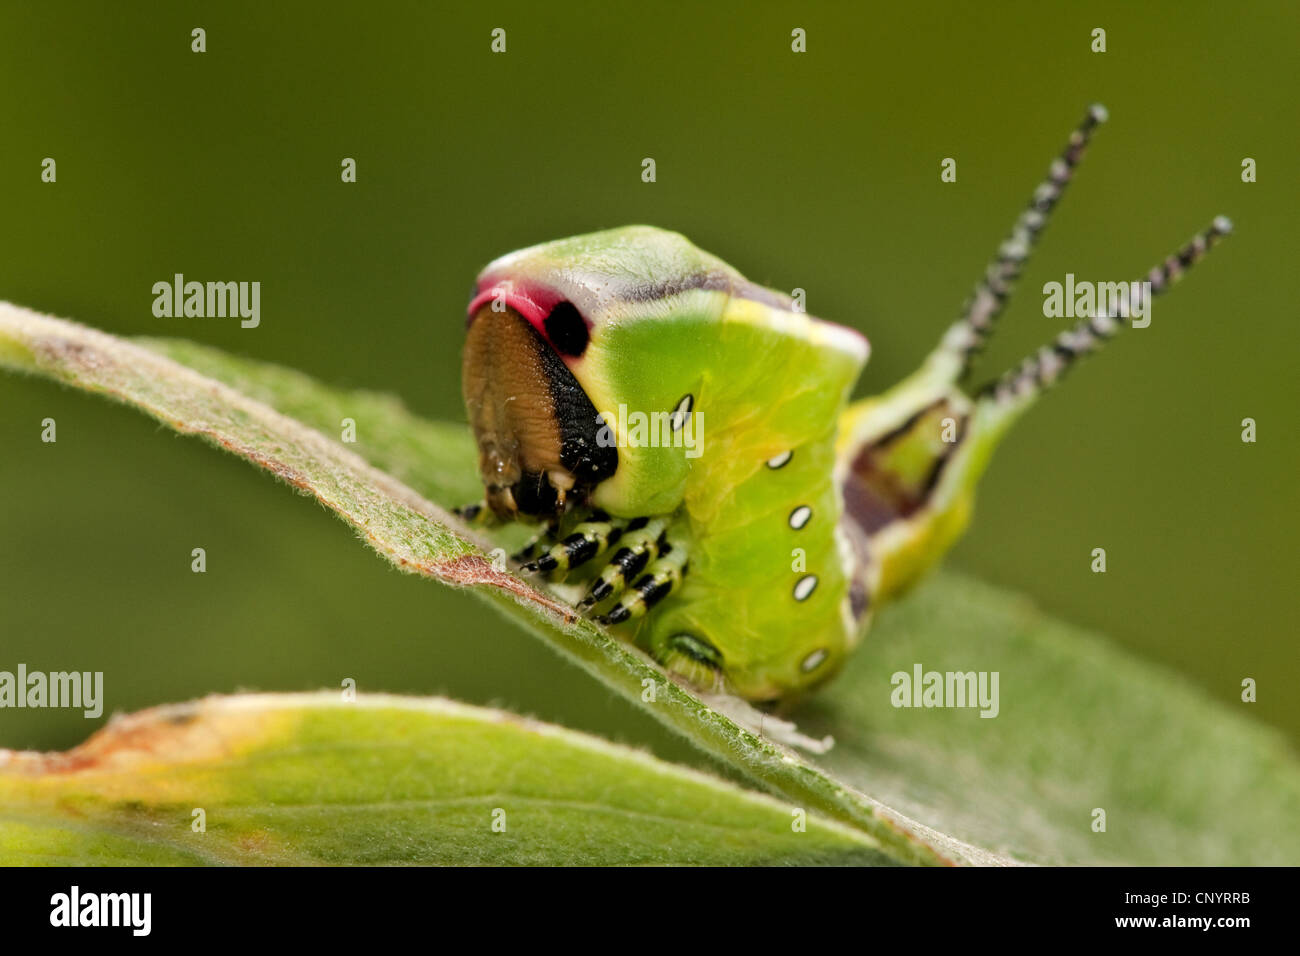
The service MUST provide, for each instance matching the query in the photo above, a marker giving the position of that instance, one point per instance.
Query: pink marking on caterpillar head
(533, 302)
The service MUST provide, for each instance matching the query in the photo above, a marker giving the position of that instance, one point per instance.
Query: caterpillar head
(536, 429)
(543, 382)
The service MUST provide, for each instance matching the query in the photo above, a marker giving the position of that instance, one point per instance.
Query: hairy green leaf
(311, 779)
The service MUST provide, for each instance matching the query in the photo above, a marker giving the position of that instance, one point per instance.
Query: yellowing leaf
(310, 779)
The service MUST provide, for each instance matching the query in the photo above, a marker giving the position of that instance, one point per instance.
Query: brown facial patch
(535, 427)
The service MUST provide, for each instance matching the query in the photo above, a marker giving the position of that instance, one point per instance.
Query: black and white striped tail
(966, 337)
(1045, 367)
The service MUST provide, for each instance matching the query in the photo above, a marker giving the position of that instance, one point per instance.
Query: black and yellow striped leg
(538, 542)
(641, 543)
(660, 580)
(588, 539)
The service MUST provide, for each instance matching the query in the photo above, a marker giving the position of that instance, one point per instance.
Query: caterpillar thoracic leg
(588, 539)
(641, 543)
(543, 538)
(660, 580)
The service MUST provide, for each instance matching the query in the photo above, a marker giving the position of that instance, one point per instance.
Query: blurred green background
(817, 170)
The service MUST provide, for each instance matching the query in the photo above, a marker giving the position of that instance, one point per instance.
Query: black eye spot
(566, 329)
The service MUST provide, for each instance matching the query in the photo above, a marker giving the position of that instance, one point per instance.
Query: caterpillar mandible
(686, 440)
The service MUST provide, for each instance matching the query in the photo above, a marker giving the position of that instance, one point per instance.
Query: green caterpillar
(687, 439)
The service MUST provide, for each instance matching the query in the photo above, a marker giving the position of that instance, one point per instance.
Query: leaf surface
(306, 779)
